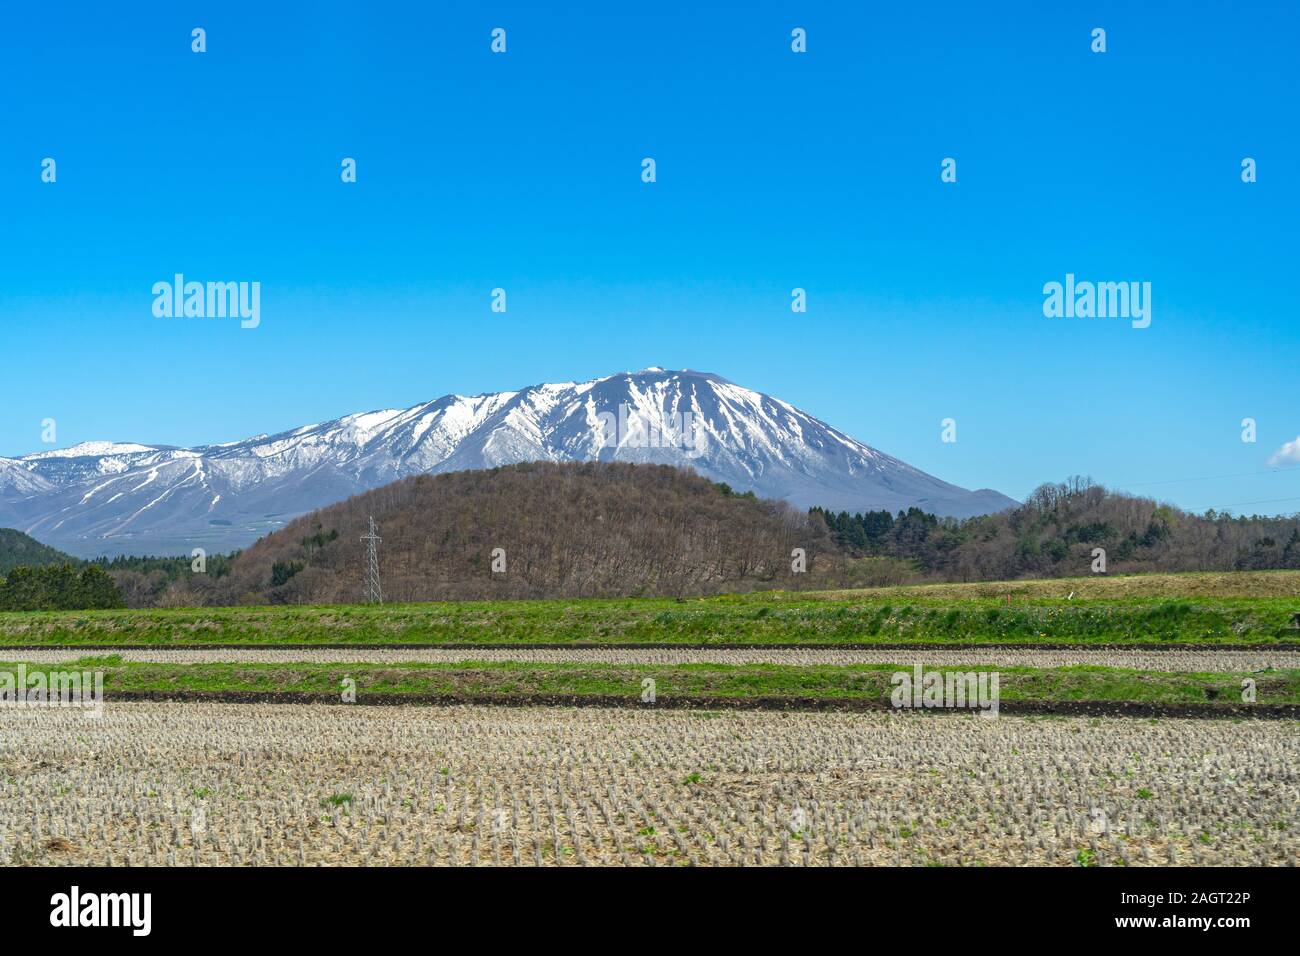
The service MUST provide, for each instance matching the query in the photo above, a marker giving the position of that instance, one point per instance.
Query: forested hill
(19, 550)
(563, 530)
(1057, 533)
(35, 577)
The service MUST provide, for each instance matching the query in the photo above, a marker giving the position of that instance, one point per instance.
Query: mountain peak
(105, 498)
(667, 373)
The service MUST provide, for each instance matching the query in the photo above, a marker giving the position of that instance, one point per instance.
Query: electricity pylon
(374, 593)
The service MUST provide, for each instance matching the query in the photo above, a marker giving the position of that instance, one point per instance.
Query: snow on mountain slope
(109, 498)
(91, 449)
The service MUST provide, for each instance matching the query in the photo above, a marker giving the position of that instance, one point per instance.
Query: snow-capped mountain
(109, 498)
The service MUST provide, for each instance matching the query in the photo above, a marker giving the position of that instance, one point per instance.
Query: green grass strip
(749, 619)
(514, 678)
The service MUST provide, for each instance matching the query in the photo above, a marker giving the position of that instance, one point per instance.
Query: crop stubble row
(201, 783)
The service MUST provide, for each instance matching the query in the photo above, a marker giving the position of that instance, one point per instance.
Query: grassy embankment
(1203, 609)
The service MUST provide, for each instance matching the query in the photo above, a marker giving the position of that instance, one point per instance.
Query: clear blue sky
(775, 170)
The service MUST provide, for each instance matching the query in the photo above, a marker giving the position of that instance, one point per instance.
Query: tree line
(58, 587)
(1056, 533)
(152, 581)
(599, 529)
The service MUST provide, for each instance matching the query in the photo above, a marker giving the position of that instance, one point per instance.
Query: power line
(1124, 486)
(1262, 501)
(1175, 481)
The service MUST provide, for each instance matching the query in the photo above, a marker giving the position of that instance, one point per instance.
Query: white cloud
(1288, 454)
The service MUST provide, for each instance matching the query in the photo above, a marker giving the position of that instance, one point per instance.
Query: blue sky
(775, 170)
